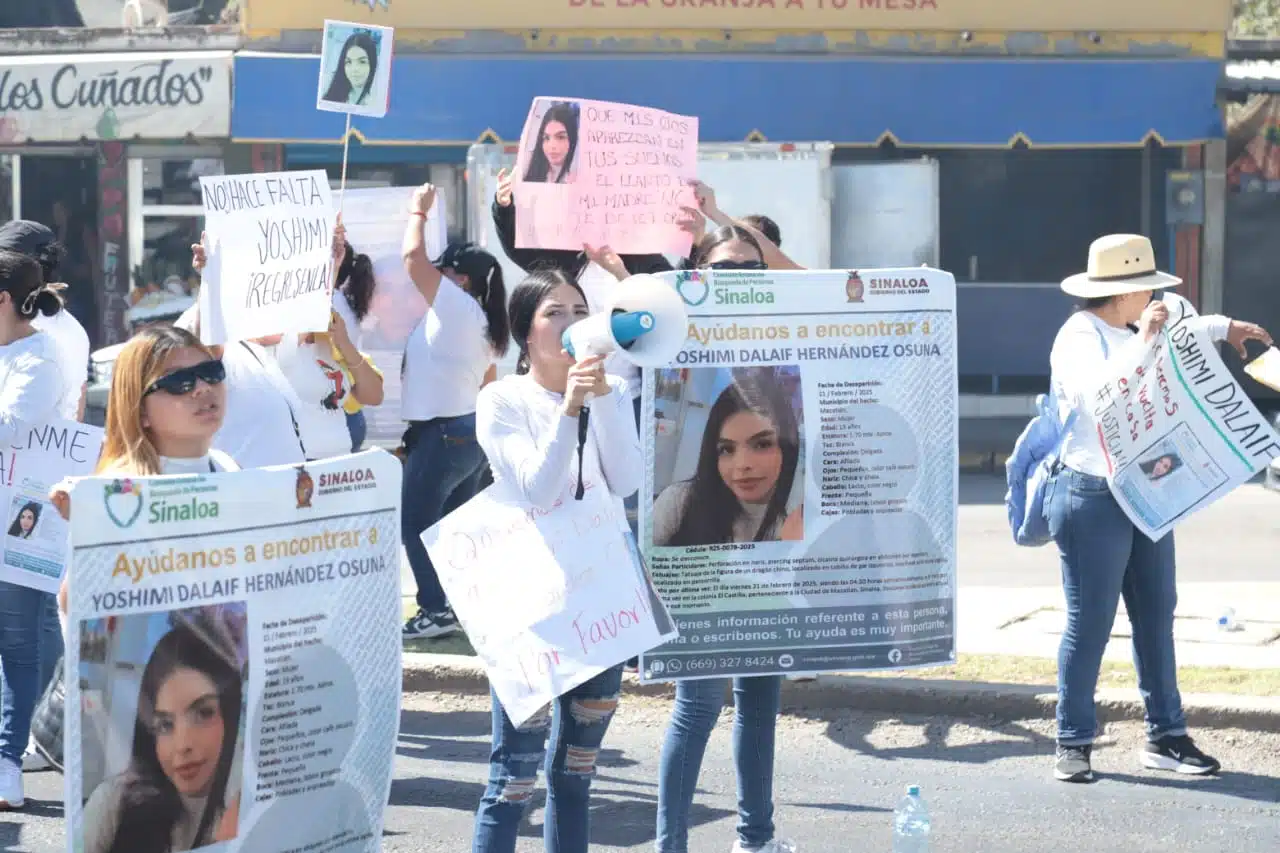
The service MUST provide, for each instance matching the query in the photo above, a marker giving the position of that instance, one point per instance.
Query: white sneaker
(777, 845)
(10, 786)
(34, 762)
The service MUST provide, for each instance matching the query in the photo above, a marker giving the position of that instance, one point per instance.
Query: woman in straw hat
(1103, 555)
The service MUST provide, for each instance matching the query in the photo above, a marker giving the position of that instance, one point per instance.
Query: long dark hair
(151, 805)
(340, 87)
(525, 300)
(710, 508)
(486, 286)
(566, 113)
(717, 238)
(15, 529)
(355, 279)
(22, 278)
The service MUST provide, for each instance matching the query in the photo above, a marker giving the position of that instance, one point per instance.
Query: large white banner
(375, 223)
(799, 507)
(1177, 429)
(269, 244)
(549, 598)
(233, 667)
(37, 541)
(109, 96)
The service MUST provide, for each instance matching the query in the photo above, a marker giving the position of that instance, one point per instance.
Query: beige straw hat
(1118, 264)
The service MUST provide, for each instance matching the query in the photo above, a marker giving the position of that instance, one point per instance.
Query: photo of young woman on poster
(24, 523)
(747, 465)
(180, 788)
(1160, 467)
(355, 69)
(551, 160)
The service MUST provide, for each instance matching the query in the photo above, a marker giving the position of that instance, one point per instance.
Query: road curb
(428, 673)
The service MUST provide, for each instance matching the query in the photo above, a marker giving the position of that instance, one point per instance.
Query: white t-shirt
(31, 385)
(446, 357)
(532, 446)
(257, 430)
(71, 345)
(1077, 363)
(343, 307)
(322, 388)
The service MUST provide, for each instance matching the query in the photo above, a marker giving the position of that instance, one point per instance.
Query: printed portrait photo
(355, 69)
(551, 152)
(163, 719)
(25, 515)
(1159, 467)
(728, 456)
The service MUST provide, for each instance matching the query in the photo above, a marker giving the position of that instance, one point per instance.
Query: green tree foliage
(1256, 19)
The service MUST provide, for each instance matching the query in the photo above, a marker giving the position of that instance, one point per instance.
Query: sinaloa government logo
(123, 499)
(692, 287)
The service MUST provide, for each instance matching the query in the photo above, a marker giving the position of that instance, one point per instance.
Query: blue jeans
(566, 737)
(29, 648)
(441, 473)
(698, 703)
(1105, 557)
(358, 426)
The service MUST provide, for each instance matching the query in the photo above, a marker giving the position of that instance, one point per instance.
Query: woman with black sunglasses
(31, 388)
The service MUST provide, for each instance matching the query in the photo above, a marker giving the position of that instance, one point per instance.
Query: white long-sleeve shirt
(31, 385)
(533, 447)
(1079, 361)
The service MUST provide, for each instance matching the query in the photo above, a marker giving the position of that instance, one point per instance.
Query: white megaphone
(645, 321)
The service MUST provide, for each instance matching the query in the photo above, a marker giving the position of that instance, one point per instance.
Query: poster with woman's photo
(234, 663)
(799, 509)
(604, 173)
(36, 547)
(355, 69)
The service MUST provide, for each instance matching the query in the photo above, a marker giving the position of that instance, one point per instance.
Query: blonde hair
(127, 449)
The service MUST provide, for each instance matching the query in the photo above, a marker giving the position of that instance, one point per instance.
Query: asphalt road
(1231, 541)
(838, 778)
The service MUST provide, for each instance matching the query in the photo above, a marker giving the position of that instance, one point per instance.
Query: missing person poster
(603, 173)
(233, 661)
(1177, 429)
(268, 241)
(799, 510)
(355, 69)
(37, 546)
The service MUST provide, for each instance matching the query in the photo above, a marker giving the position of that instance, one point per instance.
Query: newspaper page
(1177, 429)
(233, 667)
(799, 509)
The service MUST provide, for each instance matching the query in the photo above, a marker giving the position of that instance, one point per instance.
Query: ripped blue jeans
(565, 737)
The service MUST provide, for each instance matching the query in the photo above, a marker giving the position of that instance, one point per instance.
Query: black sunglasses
(738, 265)
(183, 381)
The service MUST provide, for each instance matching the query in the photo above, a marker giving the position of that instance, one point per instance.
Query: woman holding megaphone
(528, 425)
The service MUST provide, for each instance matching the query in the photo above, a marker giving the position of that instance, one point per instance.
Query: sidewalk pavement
(1019, 622)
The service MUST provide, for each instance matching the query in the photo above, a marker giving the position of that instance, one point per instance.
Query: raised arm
(417, 265)
(774, 258)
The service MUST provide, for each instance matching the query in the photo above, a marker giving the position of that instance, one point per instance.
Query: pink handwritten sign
(605, 174)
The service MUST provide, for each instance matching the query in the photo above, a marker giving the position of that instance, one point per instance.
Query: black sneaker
(1178, 754)
(428, 626)
(1073, 763)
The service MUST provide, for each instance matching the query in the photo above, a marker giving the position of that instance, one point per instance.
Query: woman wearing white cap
(1104, 556)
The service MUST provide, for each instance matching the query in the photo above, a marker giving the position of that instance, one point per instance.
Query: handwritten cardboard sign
(606, 174)
(268, 246)
(549, 599)
(36, 544)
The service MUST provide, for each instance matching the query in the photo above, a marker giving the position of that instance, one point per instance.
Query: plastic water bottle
(1227, 620)
(911, 824)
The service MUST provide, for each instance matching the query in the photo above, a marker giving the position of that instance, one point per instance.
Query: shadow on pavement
(1242, 786)
(1013, 739)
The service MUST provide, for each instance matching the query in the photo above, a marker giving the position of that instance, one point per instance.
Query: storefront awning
(854, 101)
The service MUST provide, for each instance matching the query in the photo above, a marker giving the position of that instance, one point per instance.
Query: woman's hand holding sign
(503, 195)
(1239, 333)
